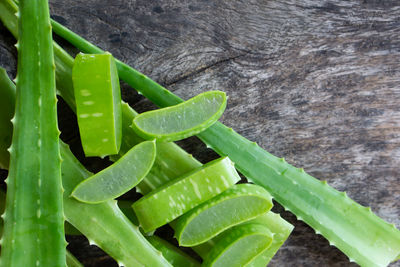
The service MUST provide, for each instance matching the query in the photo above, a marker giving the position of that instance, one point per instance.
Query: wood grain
(317, 82)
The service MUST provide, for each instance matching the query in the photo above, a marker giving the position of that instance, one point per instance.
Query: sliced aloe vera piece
(98, 103)
(239, 246)
(180, 195)
(118, 178)
(172, 254)
(183, 120)
(281, 230)
(239, 203)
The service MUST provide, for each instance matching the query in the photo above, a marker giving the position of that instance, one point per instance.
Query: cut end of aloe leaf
(239, 246)
(173, 199)
(238, 204)
(183, 120)
(120, 177)
(98, 103)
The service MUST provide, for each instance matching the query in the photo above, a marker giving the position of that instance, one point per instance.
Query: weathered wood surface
(317, 82)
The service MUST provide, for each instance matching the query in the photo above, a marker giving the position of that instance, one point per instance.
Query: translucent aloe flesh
(118, 178)
(355, 230)
(280, 229)
(173, 199)
(33, 218)
(183, 120)
(239, 246)
(98, 100)
(5, 119)
(239, 203)
(176, 257)
(103, 224)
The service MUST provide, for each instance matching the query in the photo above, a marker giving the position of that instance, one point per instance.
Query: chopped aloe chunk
(239, 203)
(183, 120)
(239, 246)
(98, 103)
(281, 230)
(173, 199)
(118, 178)
(172, 254)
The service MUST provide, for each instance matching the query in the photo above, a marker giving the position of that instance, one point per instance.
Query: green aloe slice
(118, 178)
(281, 230)
(172, 254)
(173, 199)
(98, 103)
(239, 246)
(183, 120)
(239, 203)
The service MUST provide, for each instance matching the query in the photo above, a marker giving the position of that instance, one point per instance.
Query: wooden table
(316, 82)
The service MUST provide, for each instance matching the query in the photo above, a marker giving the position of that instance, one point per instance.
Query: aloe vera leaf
(281, 230)
(33, 220)
(361, 235)
(118, 178)
(5, 118)
(174, 255)
(98, 101)
(163, 98)
(239, 203)
(183, 120)
(239, 246)
(72, 261)
(173, 199)
(103, 224)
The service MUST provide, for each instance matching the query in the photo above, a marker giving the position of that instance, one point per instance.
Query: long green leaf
(33, 219)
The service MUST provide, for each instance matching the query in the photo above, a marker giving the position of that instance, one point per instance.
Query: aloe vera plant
(98, 98)
(334, 226)
(173, 199)
(33, 218)
(355, 230)
(237, 204)
(118, 178)
(183, 120)
(103, 224)
(239, 246)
